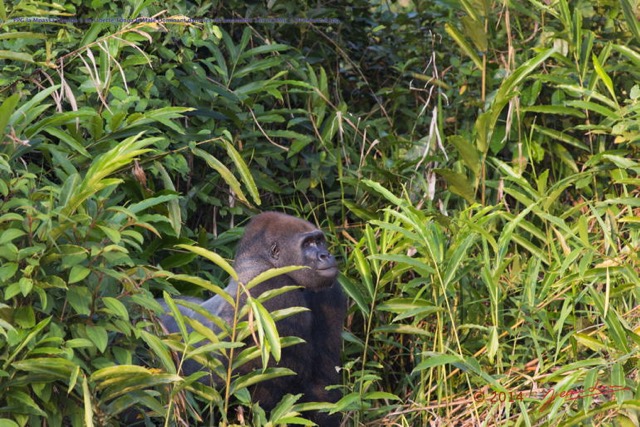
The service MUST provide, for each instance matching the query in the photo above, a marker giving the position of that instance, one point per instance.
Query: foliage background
(474, 162)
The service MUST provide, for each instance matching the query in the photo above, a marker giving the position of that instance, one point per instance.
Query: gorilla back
(273, 240)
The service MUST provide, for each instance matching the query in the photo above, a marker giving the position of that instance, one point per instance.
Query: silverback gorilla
(274, 240)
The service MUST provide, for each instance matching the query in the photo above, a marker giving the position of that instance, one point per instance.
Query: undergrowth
(475, 166)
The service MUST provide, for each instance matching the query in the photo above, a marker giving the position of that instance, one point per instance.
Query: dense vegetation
(475, 164)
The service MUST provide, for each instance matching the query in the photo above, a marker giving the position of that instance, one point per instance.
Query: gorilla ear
(275, 251)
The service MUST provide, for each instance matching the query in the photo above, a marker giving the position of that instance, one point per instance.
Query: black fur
(273, 240)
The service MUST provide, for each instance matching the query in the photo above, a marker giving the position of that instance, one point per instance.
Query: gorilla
(273, 240)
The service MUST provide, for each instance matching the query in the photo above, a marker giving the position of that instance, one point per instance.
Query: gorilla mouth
(326, 271)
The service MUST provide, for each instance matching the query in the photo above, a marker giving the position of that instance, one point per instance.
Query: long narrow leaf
(464, 44)
(224, 172)
(106, 164)
(244, 172)
(213, 257)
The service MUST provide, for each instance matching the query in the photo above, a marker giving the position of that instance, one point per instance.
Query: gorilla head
(273, 240)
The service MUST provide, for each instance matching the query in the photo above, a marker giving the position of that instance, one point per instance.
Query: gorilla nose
(326, 260)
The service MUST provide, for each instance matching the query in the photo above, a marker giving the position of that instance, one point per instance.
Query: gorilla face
(291, 241)
(312, 252)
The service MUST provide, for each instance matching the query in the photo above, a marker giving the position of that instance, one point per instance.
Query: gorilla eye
(312, 242)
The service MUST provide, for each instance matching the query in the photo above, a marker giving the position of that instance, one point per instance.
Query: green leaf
(262, 49)
(468, 152)
(205, 284)
(50, 366)
(160, 350)
(58, 121)
(213, 257)
(12, 216)
(381, 395)
(80, 299)
(409, 307)
(554, 109)
(587, 93)
(7, 270)
(631, 16)
(259, 376)
(592, 106)
(119, 371)
(464, 44)
(177, 315)
(88, 404)
(25, 403)
(203, 330)
(145, 204)
(349, 401)
(266, 328)
(111, 233)
(116, 307)
(16, 56)
(284, 407)
(258, 65)
(590, 342)
(621, 162)
(271, 273)
(364, 271)
(78, 273)
(34, 332)
(68, 139)
(104, 165)
(486, 123)
(356, 292)
(566, 157)
(474, 30)
(6, 110)
(630, 53)
(458, 184)
(162, 115)
(79, 343)
(175, 213)
(243, 170)
(608, 83)
(18, 34)
(115, 381)
(98, 336)
(25, 284)
(418, 264)
(224, 172)
(434, 360)
(456, 259)
(8, 235)
(72, 255)
(561, 136)
(24, 109)
(402, 329)
(378, 188)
